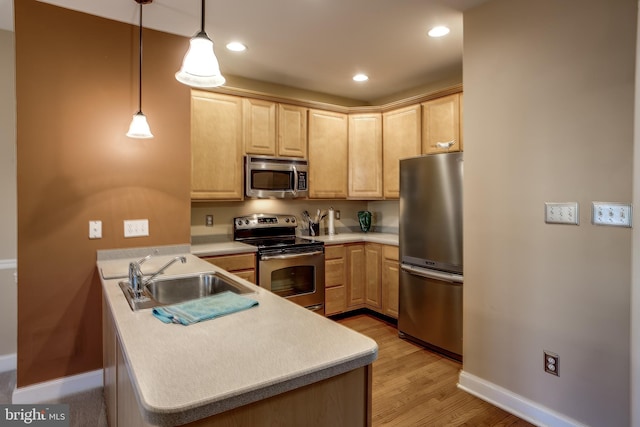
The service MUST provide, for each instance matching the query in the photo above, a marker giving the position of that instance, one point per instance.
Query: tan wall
(549, 89)
(8, 233)
(77, 82)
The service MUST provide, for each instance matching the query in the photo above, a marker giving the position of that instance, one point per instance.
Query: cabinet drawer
(234, 262)
(334, 251)
(390, 252)
(335, 300)
(334, 272)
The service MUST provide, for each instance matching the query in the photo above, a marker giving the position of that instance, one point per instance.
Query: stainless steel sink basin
(172, 290)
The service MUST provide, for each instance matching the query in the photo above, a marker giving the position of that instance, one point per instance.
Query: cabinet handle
(445, 144)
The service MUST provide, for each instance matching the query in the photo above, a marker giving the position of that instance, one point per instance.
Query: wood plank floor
(415, 387)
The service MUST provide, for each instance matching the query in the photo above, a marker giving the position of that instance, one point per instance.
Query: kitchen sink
(172, 290)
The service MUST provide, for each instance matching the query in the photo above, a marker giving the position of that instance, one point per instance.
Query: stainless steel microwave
(276, 177)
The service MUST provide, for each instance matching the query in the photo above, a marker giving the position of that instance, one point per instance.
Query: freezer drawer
(431, 311)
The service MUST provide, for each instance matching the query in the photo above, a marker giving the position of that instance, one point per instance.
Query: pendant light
(200, 66)
(139, 128)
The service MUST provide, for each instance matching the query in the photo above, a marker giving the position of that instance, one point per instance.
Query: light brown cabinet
(441, 125)
(401, 138)
(373, 258)
(327, 154)
(365, 156)
(292, 131)
(356, 275)
(361, 275)
(390, 281)
(242, 265)
(216, 146)
(272, 129)
(335, 279)
(259, 126)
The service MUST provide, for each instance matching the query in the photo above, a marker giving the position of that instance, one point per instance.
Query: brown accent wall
(77, 82)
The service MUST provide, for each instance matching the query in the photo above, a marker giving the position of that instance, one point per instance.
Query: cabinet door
(327, 155)
(109, 362)
(390, 281)
(292, 131)
(373, 258)
(365, 156)
(216, 146)
(259, 126)
(441, 125)
(401, 138)
(356, 261)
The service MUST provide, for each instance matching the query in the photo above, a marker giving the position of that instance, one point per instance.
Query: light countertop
(184, 373)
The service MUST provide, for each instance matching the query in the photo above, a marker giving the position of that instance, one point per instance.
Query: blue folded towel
(201, 309)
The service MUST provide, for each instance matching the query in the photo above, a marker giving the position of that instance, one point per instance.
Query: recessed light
(360, 78)
(438, 31)
(236, 47)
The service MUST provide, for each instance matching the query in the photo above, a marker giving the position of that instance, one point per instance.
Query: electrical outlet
(136, 227)
(337, 214)
(551, 363)
(616, 214)
(95, 229)
(208, 220)
(561, 213)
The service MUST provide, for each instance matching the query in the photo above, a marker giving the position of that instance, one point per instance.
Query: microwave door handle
(295, 180)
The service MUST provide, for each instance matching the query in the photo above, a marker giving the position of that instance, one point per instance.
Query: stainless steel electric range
(289, 266)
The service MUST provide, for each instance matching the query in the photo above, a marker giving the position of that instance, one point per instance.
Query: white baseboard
(8, 362)
(58, 388)
(517, 405)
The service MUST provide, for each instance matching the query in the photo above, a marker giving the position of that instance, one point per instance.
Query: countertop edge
(187, 415)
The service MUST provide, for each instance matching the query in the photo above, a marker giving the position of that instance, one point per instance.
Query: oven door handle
(291, 256)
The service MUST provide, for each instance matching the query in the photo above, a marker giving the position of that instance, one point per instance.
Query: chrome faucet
(136, 281)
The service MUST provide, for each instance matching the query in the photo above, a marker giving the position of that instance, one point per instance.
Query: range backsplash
(384, 213)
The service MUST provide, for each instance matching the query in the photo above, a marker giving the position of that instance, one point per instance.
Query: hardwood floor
(415, 387)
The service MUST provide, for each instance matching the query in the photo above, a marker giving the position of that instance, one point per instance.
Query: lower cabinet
(361, 275)
(242, 265)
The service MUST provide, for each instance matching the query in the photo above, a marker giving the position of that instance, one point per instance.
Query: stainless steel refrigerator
(430, 311)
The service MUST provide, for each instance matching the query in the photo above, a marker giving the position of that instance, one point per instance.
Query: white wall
(8, 237)
(549, 97)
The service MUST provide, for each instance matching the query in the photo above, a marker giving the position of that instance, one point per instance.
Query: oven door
(298, 277)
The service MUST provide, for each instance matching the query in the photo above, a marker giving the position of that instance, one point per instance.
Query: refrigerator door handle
(432, 274)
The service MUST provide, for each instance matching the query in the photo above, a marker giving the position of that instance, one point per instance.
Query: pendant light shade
(139, 128)
(200, 66)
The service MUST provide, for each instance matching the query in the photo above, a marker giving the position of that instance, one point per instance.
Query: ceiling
(316, 45)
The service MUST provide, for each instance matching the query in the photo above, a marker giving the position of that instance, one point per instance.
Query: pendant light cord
(140, 65)
(202, 17)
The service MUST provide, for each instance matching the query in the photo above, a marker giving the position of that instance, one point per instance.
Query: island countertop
(185, 373)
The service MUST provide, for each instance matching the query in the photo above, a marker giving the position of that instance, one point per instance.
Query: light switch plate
(95, 229)
(561, 213)
(136, 227)
(615, 214)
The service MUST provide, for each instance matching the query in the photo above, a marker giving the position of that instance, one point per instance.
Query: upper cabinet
(292, 131)
(365, 156)
(216, 146)
(273, 129)
(441, 125)
(401, 138)
(259, 126)
(327, 154)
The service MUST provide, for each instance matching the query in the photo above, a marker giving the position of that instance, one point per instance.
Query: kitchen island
(276, 362)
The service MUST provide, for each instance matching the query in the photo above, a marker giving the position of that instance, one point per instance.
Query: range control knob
(246, 221)
(239, 222)
(286, 220)
(293, 219)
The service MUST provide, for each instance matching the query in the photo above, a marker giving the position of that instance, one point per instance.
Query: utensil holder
(314, 228)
